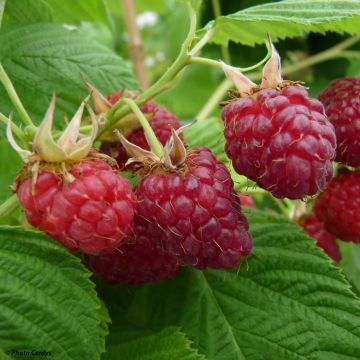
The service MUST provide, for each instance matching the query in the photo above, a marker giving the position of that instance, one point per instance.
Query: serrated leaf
(169, 343)
(47, 300)
(351, 263)
(43, 58)
(286, 19)
(60, 11)
(291, 303)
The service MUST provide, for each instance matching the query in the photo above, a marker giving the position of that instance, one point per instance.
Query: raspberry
(341, 100)
(247, 201)
(91, 214)
(339, 206)
(137, 260)
(315, 228)
(161, 122)
(195, 212)
(282, 140)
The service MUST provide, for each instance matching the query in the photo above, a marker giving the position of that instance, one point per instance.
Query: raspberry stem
(7, 207)
(9, 87)
(151, 138)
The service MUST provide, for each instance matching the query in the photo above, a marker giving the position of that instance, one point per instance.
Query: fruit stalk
(154, 143)
(7, 207)
(9, 87)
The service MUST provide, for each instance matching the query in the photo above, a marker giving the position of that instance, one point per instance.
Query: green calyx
(67, 148)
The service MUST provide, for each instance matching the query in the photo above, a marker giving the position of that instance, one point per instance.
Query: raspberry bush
(194, 193)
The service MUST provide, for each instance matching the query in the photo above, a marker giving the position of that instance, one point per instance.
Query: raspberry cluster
(92, 214)
(196, 214)
(338, 207)
(139, 259)
(282, 140)
(341, 100)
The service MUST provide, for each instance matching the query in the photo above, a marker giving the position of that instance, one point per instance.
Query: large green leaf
(289, 302)
(74, 11)
(43, 58)
(288, 18)
(47, 300)
(166, 344)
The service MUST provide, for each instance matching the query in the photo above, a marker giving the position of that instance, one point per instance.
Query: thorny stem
(332, 53)
(224, 50)
(9, 87)
(9, 205)
(154, 143)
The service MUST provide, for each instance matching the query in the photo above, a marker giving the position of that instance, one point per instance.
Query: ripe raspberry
(195, 212)
(161, 122)
(137, 260)
(91, 214)
(247, 201)
(339, 206)
(341, 100)
(282, 140)
(315, 228)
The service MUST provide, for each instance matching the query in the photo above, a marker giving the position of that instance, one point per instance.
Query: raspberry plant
(175, 262)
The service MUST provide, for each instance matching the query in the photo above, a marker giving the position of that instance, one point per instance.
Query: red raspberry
(282, 140)
(247, 201)
(137, 260)
(341, 100)
(315, 228)
(92, 214)
(195, 213)
(339, 206)
(161, 122)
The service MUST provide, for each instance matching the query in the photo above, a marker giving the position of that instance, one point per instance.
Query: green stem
(17, 131)
(9, 87)
(334, 52)
(163, 83)
(224, 50)
(202, 42)
(154, 143)
(218, 64)
(9, 206)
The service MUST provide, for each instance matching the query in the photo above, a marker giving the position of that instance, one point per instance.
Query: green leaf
(351, 263)
(169, 343)
(47, 300)
(8, 168)
(43, 58)
(2, 6)
(59, 11)
(289, 302)
(288, 18)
